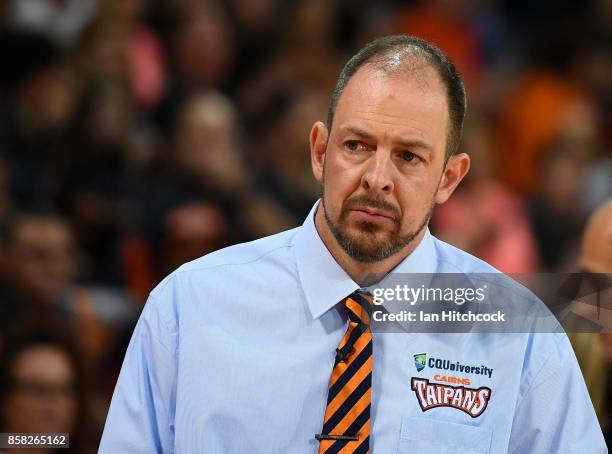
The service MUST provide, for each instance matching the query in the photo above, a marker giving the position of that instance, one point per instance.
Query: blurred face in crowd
(303, 112)
(206, 132)
(206, 143)
(47, 97)
(105, 49)
(286, 142)
(110, 114)
(561, 180)
(42, 397)
(40, 258)
(313, 26)
(382, 165)
(191, 231)
(255, 15)
(203, 47)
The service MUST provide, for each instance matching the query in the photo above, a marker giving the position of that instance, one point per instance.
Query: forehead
(42, 231)
(409, 102)
(42, 361)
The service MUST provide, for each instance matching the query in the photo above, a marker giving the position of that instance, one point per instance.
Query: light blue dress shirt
(233, 353)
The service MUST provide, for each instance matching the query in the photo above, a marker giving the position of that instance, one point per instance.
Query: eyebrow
(411, 143)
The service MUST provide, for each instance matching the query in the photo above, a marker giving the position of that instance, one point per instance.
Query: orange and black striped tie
(346, 427)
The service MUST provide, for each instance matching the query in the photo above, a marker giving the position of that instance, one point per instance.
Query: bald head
(596, 254)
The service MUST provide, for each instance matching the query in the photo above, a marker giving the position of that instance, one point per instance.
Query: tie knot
(359, 307)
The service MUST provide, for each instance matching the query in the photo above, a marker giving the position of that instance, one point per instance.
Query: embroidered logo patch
(469, 400)
(420, 359)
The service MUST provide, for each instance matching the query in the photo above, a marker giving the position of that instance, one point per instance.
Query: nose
(377, 176)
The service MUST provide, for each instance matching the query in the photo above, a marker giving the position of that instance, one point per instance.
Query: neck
(364, 274)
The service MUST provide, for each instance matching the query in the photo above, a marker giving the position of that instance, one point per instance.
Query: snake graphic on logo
(420, 359)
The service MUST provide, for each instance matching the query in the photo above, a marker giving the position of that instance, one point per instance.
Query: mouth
(373, 214)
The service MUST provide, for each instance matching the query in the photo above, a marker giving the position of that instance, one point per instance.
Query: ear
(456, 168)
(318, 146)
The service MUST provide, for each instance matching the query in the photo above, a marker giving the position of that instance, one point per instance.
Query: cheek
(340, 181)
(18, 410)
(67, 412)
(415, 197)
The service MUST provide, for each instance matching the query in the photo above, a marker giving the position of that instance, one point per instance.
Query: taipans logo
(420, 360)
(473, 401)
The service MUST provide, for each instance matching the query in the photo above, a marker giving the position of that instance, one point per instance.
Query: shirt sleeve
(555, 413)
(141, 414)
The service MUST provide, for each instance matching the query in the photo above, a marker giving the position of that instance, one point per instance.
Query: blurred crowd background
(136, 135)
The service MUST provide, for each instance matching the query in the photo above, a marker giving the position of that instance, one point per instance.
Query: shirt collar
(325, 283)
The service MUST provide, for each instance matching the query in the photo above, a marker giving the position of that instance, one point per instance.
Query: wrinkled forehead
(414, 95)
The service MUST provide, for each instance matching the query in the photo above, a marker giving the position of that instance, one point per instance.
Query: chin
(370, 242)
(367, 229)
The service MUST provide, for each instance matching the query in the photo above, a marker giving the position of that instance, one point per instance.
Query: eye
(408, 156)
(355, 146)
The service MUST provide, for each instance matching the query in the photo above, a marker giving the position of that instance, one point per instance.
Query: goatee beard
(359, 250)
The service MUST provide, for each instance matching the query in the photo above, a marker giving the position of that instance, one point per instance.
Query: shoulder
(236, 266)
(251, 253)
(260, 252)
(271, 253)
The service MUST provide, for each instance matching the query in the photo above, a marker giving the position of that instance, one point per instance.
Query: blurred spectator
(281, 150)
(102, 51)
(202, 51)
(471, 218)
(119, 46)
(101, 173)
(556, 211)
(38, 262)
(309, 55)
(203, 46)
(258, 25)
(203, 188)
(594, 351)
(44, 389)
(532, 115)
(34, 116)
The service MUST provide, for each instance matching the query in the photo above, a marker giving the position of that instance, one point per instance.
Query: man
(37, 265)
(594, 351)
(266, 347)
